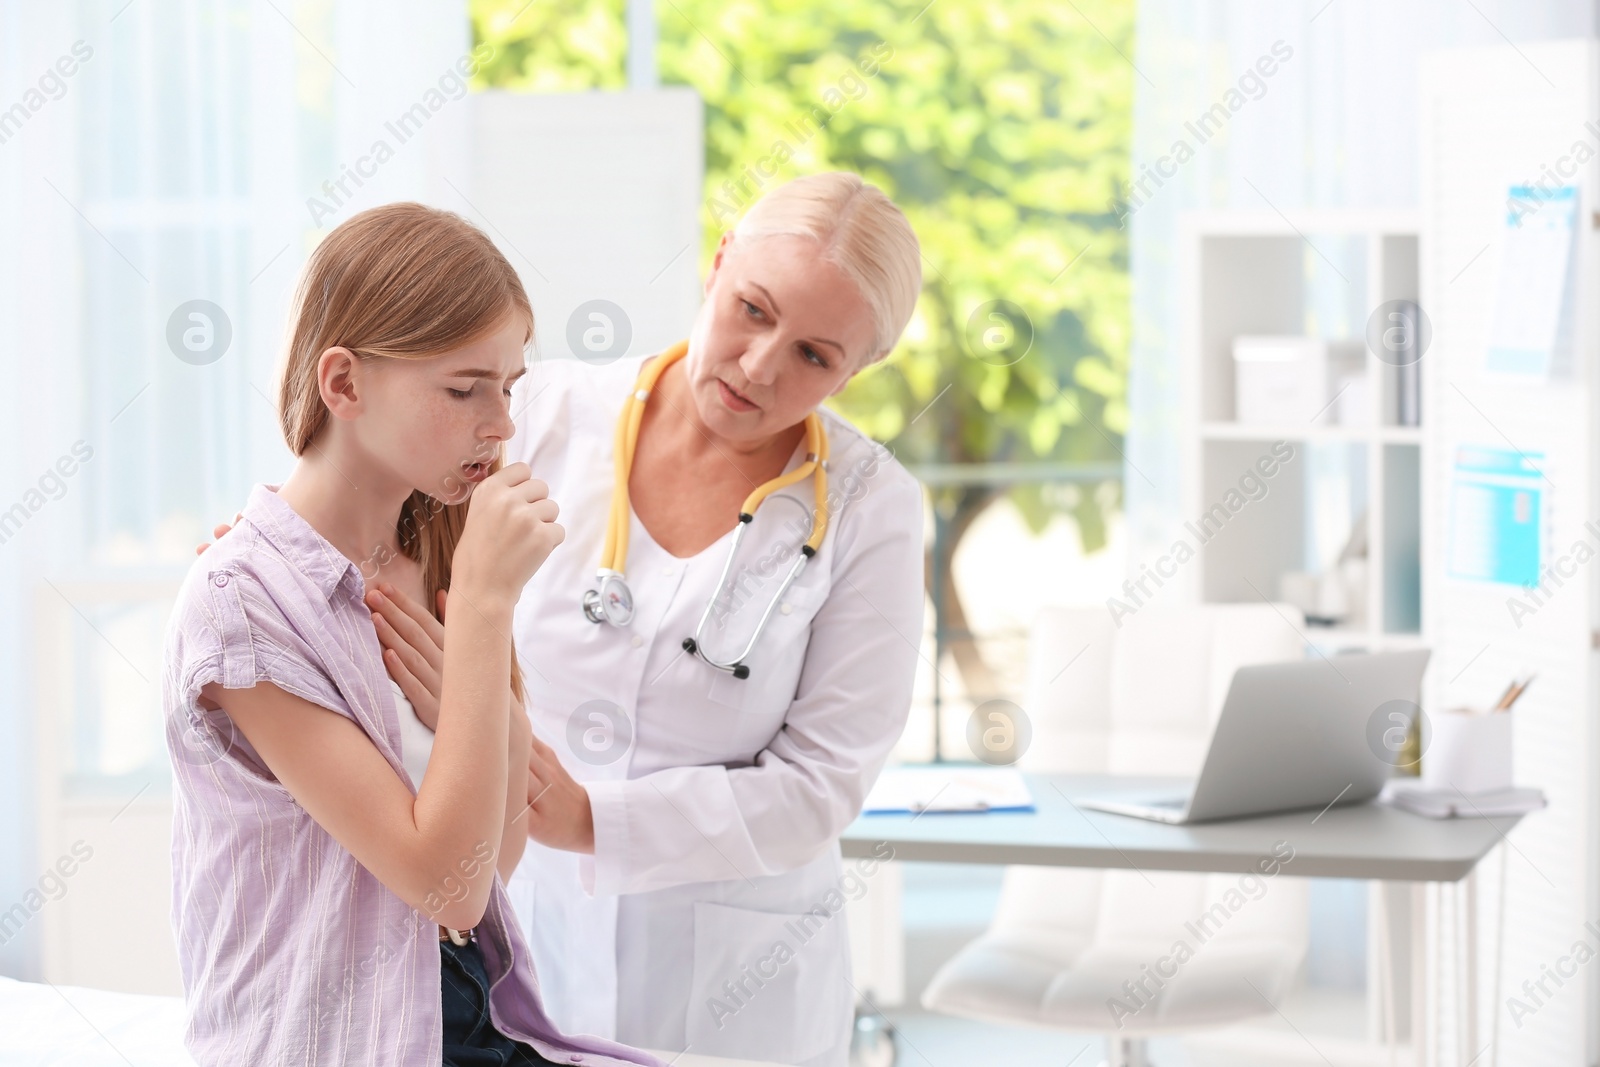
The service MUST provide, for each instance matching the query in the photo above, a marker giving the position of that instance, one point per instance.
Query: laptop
(1306, 734)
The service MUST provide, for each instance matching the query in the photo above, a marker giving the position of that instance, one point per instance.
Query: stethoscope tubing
(696, 644)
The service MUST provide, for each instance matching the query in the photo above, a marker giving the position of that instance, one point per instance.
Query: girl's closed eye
(462, 394)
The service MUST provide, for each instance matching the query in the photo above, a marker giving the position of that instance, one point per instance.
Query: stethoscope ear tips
(741, 671)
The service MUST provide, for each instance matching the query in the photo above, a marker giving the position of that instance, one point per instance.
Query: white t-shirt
(416, 740)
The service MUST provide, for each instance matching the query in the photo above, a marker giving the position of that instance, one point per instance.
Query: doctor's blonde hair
(861, 231)
(401, 281)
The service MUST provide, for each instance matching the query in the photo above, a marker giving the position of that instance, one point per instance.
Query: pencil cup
(1469, 751)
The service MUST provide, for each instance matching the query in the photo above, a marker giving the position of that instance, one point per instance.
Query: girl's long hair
(402, 281)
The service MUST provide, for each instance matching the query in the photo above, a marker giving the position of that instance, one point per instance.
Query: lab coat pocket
(768, 985)
(777, 658)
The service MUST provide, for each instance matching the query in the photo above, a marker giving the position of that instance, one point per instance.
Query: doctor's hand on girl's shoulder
(510, 531)
(217, 532)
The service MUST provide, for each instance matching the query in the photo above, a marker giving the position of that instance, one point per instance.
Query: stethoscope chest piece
(612, 602)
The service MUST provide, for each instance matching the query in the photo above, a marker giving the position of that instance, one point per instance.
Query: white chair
(1067, 946)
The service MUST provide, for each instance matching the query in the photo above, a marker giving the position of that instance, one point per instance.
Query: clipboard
(944, 789)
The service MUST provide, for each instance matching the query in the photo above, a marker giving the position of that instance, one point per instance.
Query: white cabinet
(1254, 508)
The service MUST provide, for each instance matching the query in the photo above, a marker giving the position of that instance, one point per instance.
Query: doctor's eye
(750, 309)
(813, 357)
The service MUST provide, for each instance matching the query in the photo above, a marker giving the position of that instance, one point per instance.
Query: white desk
(1360, 841)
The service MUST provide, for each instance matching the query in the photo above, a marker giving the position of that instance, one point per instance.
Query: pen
(1513, 694)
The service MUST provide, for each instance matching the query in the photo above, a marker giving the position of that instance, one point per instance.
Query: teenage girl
(338, 865)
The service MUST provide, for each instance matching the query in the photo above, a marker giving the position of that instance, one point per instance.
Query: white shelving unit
(1246, 275)
(1490, 120)
(1243, 274)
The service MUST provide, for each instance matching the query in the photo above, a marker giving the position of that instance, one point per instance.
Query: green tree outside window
(1002, 130)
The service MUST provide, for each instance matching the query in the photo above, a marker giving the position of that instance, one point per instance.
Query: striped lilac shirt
(293, 953)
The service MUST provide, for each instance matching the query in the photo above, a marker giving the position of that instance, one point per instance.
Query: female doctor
(709, 730)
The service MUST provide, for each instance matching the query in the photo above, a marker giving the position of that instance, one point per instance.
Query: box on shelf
(1299, 380)
(1353, 407)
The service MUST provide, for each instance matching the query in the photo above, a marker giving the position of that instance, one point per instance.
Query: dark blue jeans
(470, 1039)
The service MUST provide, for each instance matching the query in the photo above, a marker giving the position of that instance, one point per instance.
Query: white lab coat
(717, 801)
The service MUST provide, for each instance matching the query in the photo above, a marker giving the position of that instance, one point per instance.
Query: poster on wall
(1497, 509)
(1530, 337)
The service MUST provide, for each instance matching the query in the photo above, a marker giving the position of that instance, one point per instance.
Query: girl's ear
(338, 370)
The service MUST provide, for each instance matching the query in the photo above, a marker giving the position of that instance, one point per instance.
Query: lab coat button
(221, 580)
(786, 609)
(637, 641)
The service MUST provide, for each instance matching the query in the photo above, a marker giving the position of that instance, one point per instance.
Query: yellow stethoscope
(612, 600)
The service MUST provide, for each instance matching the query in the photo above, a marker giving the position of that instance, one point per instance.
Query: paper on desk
(901, 790)
(1450, 804)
